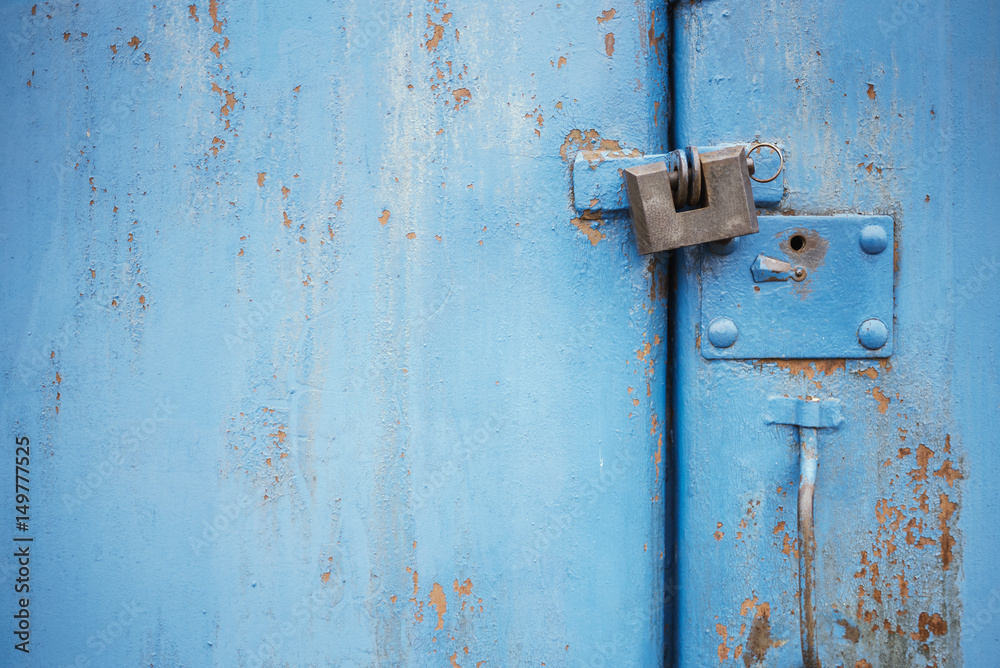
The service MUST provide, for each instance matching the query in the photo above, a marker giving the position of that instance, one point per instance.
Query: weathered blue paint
(318, 363)
(883, 108)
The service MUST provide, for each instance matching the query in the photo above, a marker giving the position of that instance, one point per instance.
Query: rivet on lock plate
(693, 198)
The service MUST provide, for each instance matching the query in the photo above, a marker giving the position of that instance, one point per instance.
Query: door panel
(882, 109)
(318, 363)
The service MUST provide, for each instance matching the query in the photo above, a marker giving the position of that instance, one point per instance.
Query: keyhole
(797, 242)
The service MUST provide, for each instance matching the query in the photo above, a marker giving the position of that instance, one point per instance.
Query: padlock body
(726, 209)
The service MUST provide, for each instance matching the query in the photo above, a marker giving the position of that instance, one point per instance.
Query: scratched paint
(318, 362)
(872, 122)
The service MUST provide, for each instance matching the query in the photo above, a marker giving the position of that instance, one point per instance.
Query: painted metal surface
(882, 108)
(815, 314)
(318, 364)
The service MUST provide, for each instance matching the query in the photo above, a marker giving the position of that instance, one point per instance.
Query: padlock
(695, 199)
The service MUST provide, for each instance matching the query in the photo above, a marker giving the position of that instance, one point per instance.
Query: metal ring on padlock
(781, 159)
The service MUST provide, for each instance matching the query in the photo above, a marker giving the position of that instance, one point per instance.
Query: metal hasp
(806, 287)
(809, 415)
(724, 209)
(598, 184)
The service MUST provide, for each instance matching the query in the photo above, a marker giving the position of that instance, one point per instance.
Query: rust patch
(134, 42)
(229, 97)
(808, 368)
(384, 218)
(851, 632)
(723, 650)
(609, 44)
(583, 224)
(462, 97)
(593, 147)
(748, 605)
(260, 179)
(213, 11)
(193, 12)
(325, 577)
(928, 624)
(923, 457)
(437, 599)
(606, 15)
(654, 39)
(436, 30)
(658, 455)
(464, 589)
(948, 473)
(759, 640)
(883, 401)
(871, 372)
(871, 91)
(947, 509)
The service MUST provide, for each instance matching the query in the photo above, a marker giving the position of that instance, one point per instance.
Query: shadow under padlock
(693, 198)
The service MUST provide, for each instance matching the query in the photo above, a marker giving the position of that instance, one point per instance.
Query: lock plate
(841, 308)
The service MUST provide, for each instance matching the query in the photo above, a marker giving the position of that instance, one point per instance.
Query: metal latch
(692, 198)
(808, 415)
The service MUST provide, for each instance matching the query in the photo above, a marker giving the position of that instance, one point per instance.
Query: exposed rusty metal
(808, 465)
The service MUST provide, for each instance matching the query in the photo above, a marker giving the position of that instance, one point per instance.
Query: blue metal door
(885, 110)
(312, 357)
